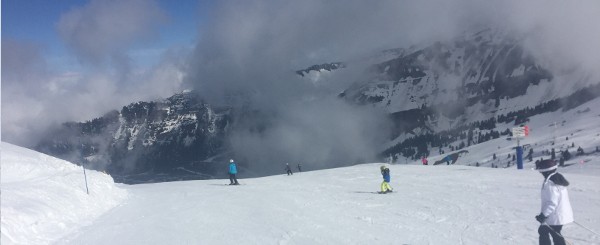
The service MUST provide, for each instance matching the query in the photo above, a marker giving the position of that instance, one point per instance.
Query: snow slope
(431, 205)
(44, 198)
(579, 126)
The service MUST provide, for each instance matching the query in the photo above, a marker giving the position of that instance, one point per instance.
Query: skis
(374, 192)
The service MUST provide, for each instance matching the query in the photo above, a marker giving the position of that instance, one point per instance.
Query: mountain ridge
(444, 96)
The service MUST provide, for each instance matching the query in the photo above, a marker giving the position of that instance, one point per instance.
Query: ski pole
(586, 228)
(549, 227)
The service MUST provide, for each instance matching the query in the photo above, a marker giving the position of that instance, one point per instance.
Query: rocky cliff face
(176, 138)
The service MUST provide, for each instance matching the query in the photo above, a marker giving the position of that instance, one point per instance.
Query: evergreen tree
(469, 137)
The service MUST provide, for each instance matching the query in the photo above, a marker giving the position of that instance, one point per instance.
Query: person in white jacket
(556, 208)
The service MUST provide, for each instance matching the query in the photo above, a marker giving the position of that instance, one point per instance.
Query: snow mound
(44, 198)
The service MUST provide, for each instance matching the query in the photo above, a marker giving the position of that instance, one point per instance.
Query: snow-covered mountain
(163, 140)
(477, 68)
(439, 94)
(480, 199)
(441, 97)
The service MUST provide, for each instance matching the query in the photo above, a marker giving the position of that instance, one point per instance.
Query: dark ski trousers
(545, 233)
(233, 179)
(289, 172)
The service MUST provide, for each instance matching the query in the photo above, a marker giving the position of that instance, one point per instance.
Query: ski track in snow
(430, 205)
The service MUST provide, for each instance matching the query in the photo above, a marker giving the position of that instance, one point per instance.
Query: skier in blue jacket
(232, 173)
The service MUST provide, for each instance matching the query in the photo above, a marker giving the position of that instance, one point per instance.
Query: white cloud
(253, 47)
(105, 28)
(34, 99)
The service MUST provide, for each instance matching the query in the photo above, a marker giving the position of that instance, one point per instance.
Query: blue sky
(35, 22)
(68, 60)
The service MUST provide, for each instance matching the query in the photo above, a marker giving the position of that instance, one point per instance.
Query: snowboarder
(424, 160)
(288, 169)
(556, 208)
(232, 173)
(299, 168)
(385, 185)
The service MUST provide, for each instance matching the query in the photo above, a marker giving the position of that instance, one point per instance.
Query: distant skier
(447, 159)
(232, 173)
(530, 155)
(299, 168)
(580, 151)
(385, 185)
(556, 207)
(566, 155)
(288, 169)
(561, 162)
(424, 160)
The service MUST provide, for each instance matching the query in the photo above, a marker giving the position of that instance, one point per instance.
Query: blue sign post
(517, 133)
(519, 157)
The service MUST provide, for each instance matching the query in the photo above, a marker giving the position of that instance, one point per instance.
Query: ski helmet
(545, 165)
(231, 160)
